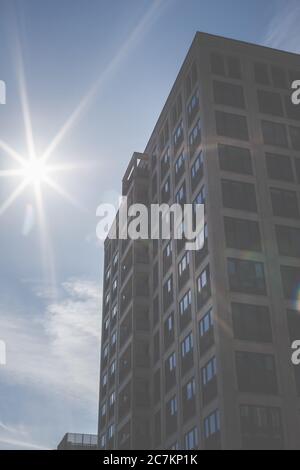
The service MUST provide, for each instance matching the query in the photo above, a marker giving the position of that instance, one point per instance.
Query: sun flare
(36, 171)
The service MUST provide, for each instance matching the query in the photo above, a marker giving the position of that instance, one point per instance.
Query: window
(284, 203)
(176, 109)
(195, 137)
(169, 331)
(246, 276)
(173, 406)
(185, 303)
(105, 351)
(292, 111)
(200, 198)
(104, 380)
(187, 345)
(178, 136)
(113, 368)
(111, 431)
(232, 125)
(203, 287)
(191, 439)
(251, 322)
(235, 159)
(197, 170)
(193, 107)
(112, 399)
(225, 66)
(269, 103)
(183, 269)
(179, 166)
(206, 323)
(114, 311)
(234, 68)
(295, 137)
(172, 362)
(201, 245)
(217, 64)
(191, 79)
(261, 427)
(212, 424)
(165, 164)
(209, 371)
(206, 332)
(242, 234)
(180, 197)
(164, 136)
(228, 94)
(293, 317)
(278, 77)
(261, 74)
(279, 167)
(239, 195)
(256, 373)
(168, 292)
(190, 390)
(274, 134)
(288, 240)
(290, 280)
(113, 338)
(167, 256)
(103, 441)
(166, 191)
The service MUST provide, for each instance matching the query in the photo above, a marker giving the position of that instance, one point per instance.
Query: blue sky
(116, 60)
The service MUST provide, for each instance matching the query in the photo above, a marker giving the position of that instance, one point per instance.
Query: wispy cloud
(283, 32)
(54, 352)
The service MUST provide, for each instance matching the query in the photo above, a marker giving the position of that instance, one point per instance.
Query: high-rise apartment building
(196, 346)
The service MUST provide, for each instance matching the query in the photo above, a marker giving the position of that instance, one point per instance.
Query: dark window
(191, 439)
(176, 109)
(185, 309)
(178, 136)
(206, 332)
(212, 431)
(209, 381)
(169, 331)
(261, 74)
(292, 111)
(274, 133)
(203, 288)
(165, 164)
(170, 371)
(171, 415)
(284, 203)
(166, 191)
(168, 292)
(288, 240)
(156, 348)
(242, 234)
(239, 195)
(228, 94)
(184, 270)
(295, 137)
(278, 77)
(232, 125)
(197, 171)
(167, 257)
(293, 317)
(269, 103)
(189, 400)
(251, 322)
(217, 64)
(195, 137)
(246, 276)
(156, 387)
(279, 167)
(290, 281)
(261, 428)
(179, 167)
(187, 361)
(234, 68)
(256, 373)
(235, 159)
(180, 196)
(193, 107)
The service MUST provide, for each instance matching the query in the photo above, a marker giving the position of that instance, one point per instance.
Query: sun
(36, 171)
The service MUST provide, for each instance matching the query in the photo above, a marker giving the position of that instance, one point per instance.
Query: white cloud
(283, 31)
(55, 352)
